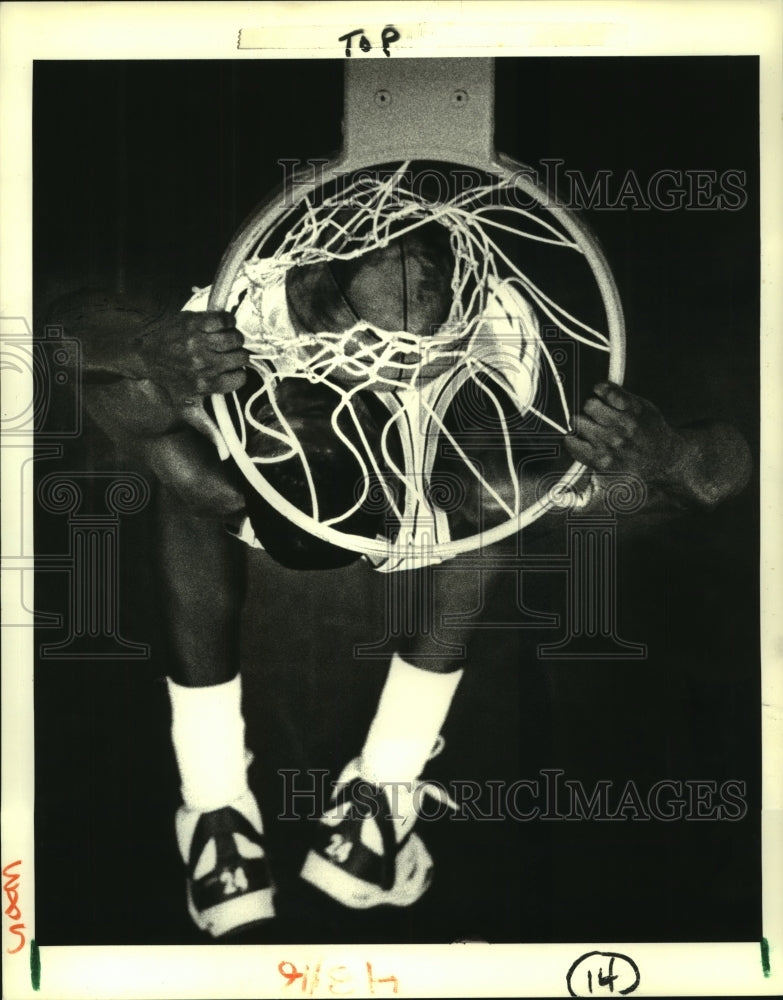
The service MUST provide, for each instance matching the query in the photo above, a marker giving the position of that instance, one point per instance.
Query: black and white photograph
(387, 560)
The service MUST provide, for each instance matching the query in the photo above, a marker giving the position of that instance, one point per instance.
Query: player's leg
(219, 827)
(140, 361)
(367, 852)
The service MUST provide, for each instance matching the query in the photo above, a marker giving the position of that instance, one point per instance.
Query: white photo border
(33, 31)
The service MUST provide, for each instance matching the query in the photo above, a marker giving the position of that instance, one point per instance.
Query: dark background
(147, 169)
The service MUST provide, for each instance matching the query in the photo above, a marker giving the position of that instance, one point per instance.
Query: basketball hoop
(492, 347)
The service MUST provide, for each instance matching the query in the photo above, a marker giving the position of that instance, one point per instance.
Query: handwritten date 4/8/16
(389, 35)
(317, 979)
(12, 910)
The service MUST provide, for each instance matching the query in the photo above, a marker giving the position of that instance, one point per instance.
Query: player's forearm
(131, 409)
(113, 353)
(110, 328)
(119, 393)
(711, 464)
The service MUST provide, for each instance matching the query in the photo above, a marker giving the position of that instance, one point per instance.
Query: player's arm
(691, 467)
(142, 366)
(142, 358)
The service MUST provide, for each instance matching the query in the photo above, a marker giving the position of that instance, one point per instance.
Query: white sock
(413, 707)
(208, 733)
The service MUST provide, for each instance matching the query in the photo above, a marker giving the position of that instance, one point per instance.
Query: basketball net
(490, 341)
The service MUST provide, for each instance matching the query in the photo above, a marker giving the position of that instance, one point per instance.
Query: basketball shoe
(366, 853)
(229, 886)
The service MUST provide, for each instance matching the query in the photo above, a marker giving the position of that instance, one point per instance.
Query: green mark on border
(765, 957)
(35, 965)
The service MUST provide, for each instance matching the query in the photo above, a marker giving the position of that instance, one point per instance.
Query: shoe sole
(360, 895)
(234, 914)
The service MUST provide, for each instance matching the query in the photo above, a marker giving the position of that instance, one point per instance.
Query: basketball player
(141, 365)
